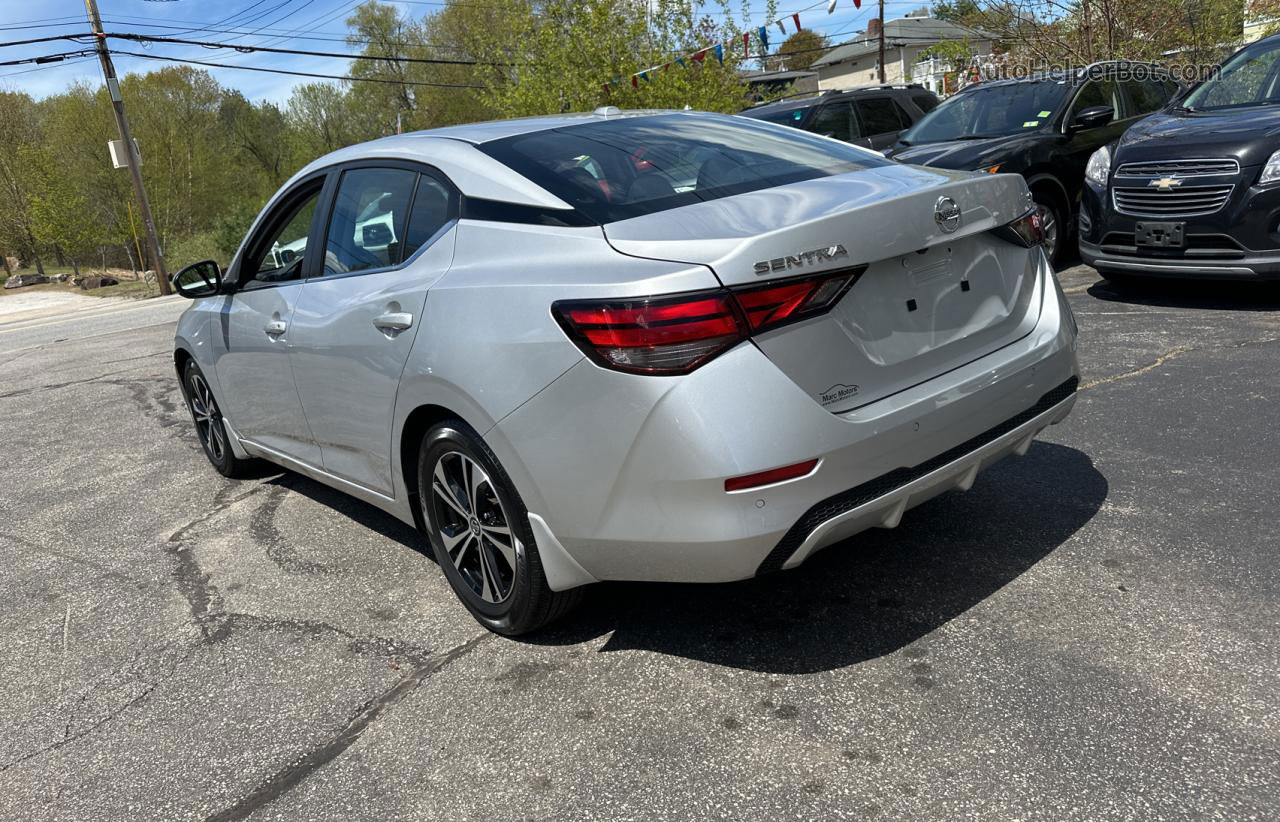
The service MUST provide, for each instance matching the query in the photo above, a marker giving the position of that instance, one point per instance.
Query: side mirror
(202, 279)
(1093, 117)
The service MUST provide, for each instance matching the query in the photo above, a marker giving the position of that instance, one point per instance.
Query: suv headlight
(1099, 167)
(1271, 171)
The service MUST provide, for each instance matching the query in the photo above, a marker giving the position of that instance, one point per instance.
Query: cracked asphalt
(1090, 633)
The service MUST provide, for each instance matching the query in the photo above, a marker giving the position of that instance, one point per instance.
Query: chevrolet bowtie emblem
(1165, 183)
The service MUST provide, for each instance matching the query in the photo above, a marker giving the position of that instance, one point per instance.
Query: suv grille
(1187, 201)
(1181, 168)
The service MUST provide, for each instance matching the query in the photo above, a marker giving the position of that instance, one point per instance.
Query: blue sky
(272, 22)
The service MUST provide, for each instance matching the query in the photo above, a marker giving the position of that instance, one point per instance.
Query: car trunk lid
(930, 300)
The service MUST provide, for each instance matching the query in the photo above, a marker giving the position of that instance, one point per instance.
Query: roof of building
(905, 31)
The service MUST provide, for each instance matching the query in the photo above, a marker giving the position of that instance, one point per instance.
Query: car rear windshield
(991, 111)
(632, 166)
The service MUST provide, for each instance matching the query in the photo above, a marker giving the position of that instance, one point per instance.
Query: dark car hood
(1250, 135)
(963, 154)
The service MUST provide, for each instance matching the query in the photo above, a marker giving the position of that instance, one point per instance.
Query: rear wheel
(480, 531)
(209, 426)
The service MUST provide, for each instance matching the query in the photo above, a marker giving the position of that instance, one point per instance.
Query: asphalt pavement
(1092, 632)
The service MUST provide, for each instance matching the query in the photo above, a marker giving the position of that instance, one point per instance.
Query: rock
(149, 276)
(19, 280)
(60, 278)
(87, 283)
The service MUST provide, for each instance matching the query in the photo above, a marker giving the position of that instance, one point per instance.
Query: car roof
(1072, 74)
(814, 99)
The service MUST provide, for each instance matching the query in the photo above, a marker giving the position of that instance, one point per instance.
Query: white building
(857, 62)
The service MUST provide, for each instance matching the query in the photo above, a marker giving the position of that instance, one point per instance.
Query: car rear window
(618, 169)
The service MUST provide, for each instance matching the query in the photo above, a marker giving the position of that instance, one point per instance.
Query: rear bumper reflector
(786, 472)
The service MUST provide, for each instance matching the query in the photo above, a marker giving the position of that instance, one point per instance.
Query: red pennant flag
(796, 16)
(699, 56)
(635, 81)
(746, 44)
(857, 4)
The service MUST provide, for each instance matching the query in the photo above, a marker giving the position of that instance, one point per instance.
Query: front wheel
(1052, 223)
(209, 427)
(479, 529)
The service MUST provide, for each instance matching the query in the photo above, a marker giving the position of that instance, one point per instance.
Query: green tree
(801, 49)
(61, 217)
(18, 134)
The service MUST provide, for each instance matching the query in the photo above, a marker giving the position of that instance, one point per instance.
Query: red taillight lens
(773, 304)
(678, 333)
(1026, 231)
(800, 469)
(648, 335)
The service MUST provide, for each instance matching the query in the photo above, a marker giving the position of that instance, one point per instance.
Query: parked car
(1044, 128)
(570, 371)
(872, 117)
(1194, 191)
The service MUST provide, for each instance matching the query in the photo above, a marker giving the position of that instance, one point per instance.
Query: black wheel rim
(208, 420)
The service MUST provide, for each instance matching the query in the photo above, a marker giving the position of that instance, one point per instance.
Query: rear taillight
(675, 334)
(1026, 231)
(770, 305)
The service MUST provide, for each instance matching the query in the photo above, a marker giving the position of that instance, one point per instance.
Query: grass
(127, 287)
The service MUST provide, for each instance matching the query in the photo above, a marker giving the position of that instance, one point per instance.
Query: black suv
(1194, 191)
(873, 116)
(1043, 127)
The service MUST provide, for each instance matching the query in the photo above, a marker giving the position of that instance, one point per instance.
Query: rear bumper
(627, 472)
(881, 502)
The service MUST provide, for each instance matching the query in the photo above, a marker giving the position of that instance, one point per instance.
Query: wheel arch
(1048, 180)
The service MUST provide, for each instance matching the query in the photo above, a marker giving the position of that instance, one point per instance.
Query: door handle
(276, 327)
(393, 321)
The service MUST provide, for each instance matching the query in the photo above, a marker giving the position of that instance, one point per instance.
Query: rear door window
(834, 120)
(925, 102)
(366, 229)
(879, 115)
(631, 166)
(1145, 96)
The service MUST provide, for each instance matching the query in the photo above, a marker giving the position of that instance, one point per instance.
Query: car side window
(432, 208)
(925, 102)
(1098, 93)
(834, 120)
(278, 257)
(1145, 96)
(878, 115)
(367, 226)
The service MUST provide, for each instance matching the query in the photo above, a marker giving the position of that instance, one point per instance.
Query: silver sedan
(627, 346)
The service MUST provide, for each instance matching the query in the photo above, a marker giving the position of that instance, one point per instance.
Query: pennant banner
(764, 38)
(719, 50)
(746, 43)
(795, 17)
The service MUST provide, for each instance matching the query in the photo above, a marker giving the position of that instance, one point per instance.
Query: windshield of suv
(1247, 79)
(991, 111)
(632, 166)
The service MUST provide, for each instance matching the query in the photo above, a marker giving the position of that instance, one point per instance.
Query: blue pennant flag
(764, 37)
(719, 50)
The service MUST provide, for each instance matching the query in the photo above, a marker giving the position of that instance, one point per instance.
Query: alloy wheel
(474, 529)
(208, 420)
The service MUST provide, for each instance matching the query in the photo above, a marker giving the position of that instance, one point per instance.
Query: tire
(1052, 219)
(479, 530)
(209, 427)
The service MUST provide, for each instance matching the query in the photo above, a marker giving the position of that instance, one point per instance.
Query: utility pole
(131, 152)
(881, 27)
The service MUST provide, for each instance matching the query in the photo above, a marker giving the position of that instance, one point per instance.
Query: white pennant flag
(831, 6)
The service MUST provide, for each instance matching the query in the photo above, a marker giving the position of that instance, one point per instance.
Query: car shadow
(1218, 295)
(867, 596)
(360, 512)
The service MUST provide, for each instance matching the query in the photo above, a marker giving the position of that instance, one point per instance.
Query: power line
(145, 38)
(44, 39)
(296, 73)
